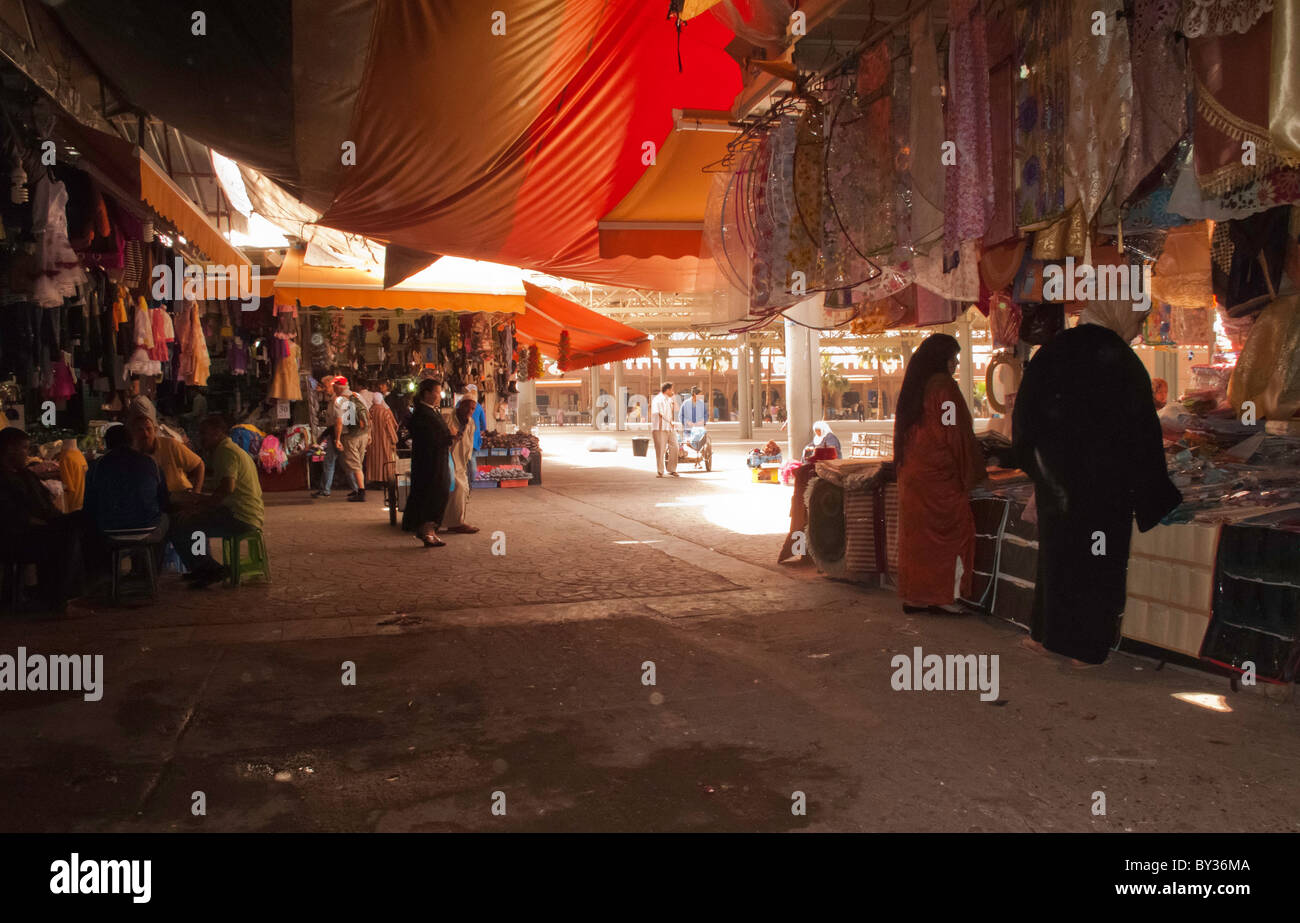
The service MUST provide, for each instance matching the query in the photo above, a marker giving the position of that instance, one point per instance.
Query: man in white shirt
(663, 413)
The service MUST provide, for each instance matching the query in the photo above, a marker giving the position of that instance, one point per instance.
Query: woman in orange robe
(938, 462)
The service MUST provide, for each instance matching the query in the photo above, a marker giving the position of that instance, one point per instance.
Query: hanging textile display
(1232, 109)
(1182, 276)
(1042, 100)
(1160, 87)
(1101, 95)
(1266, 372)
(924, 143)
(968, 200)
(1000, 32)
(809, 190)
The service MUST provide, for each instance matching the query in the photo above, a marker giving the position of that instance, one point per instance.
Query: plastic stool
(257, 564)
(133, 549)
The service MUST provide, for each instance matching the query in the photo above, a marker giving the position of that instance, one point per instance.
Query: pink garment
(61, 270)
(968, 192)
(159, 322)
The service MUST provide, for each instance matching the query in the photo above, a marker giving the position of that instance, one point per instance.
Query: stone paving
(523, 674)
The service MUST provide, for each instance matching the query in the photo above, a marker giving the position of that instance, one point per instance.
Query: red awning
(593, 338)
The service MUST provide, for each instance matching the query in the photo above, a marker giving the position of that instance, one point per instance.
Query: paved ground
(523, 674)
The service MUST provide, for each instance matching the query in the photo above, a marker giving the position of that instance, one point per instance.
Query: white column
(620, 399)
(595, 397)
(527, 405)
(802, 375)
(744, 390)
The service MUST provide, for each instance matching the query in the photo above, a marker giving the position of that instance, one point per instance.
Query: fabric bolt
(1085, 430)
(968, 200)
(1042, 102)
(1257, 254)
(1000, 35)
(809, 189)
(1182, 276)
(1266, 371)
(1160, 88)
(1284, 88)
(936, 527)
(1232, 108)
(925, 135)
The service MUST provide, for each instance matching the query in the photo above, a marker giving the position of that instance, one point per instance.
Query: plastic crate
(482, 485)
(515, 482)
(505, 452)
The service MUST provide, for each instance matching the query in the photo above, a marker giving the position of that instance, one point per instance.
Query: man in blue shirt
(695, 412)
(125, 490)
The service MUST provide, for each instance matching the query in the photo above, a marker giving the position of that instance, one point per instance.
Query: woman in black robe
(430, 474)
(1085, 429)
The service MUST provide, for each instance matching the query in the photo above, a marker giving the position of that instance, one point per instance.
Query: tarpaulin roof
(501, 139)
(129, 173)
(448, 285)
(593, 338)
(663, 215)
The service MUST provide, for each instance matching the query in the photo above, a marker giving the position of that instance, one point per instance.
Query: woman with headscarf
(937, 461)
(823, 438)
(430, 474)
(1085, 429)
(381, 454)
(462, 457)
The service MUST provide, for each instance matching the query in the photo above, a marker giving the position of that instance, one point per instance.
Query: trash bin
(641, 446)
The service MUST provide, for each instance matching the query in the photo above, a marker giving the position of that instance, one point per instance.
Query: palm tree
(879, 354)
(832, 381)
(715, 359)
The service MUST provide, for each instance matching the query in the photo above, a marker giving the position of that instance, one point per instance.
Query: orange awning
(343, 287)
(166, 198)
(593, 338)
(663, 214)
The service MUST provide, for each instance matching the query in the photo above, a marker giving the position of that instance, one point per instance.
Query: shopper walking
(329, 440)
(462, 456)
(430, 474)
(663, 430)
(938, 462)
(352, 436)
(1085, 429)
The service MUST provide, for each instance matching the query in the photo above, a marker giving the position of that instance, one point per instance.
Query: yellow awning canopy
(166, 198)
(663, 214)
(448, 285)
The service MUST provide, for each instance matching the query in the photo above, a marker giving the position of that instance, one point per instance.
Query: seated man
(126, 493)
(32, 529)
(233, 507)
(182, 469)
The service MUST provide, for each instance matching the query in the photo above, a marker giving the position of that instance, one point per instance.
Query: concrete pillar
(527, 405)
(802, 374)
(620, 399)
(595, 397)
(662, 352)
(756, 363)
(744, 390)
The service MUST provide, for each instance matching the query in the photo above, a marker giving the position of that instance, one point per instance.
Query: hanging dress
(61, 270)
(141, 362)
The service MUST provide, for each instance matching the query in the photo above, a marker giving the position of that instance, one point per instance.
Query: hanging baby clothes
(163, 333)
(61, 270)
(141, 362)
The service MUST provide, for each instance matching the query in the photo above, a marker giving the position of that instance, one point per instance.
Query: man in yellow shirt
(234, 506)
(183, 469)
